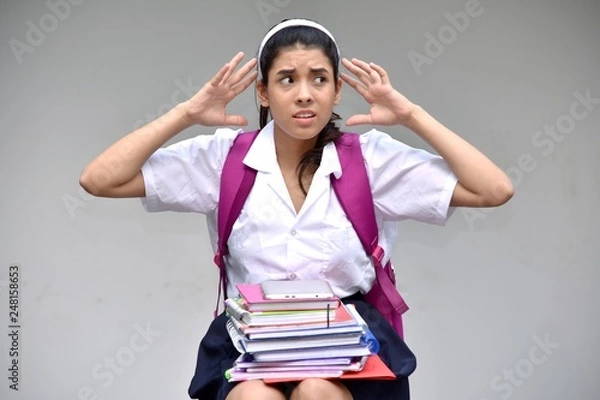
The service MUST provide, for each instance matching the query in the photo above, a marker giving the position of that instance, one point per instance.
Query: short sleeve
(407, 183)
(185, 176)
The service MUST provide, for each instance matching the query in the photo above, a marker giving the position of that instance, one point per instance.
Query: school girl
(292, 225)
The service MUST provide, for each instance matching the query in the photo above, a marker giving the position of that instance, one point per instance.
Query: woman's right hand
(207, 107)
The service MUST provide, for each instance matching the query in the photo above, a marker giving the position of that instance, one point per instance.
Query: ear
(338, 92)
(263, 95)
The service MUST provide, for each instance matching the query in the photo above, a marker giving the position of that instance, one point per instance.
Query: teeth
(304, 115)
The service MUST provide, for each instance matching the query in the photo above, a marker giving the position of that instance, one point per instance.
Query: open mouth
(305, 115)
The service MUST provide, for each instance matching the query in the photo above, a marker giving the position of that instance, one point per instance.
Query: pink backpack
(354, 194)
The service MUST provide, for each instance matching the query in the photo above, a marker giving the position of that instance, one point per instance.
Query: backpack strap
(236, 182)
(353, 191)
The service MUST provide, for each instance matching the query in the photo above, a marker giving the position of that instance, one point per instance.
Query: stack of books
(292, 339)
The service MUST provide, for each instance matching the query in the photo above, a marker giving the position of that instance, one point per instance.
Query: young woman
(292, 226)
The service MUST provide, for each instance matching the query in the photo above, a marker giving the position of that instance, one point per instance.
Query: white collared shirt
(269, 240)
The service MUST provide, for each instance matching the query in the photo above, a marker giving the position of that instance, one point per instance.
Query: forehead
(301, 57)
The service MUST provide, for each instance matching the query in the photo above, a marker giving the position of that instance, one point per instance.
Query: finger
(242, 72)
(385, 79)
(362, 75)
(235, 120)
(359, 72)
(233, 63)
(350, 80)
(356, 85)
(367, 68)
(372, 74)
(359, 119)
(244, 84)
(216, 80)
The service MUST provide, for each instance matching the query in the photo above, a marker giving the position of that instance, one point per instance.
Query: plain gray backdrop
(503, 301)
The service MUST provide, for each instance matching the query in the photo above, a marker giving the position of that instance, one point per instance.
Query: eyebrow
(312, 70)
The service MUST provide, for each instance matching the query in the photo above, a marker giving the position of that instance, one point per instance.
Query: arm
(480, 182)
(116, 172)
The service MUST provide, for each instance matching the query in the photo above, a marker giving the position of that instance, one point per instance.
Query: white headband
(286, 24)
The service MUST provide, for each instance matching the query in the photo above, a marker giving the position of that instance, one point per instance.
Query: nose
(304, 94)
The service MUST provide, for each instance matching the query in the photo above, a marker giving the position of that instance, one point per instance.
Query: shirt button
(292, 276)
(293, 232)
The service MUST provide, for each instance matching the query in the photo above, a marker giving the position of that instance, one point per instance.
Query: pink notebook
(254, 301)
(342, 319)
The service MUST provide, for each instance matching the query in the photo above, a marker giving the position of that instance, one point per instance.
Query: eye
(287, 80)
(320, 79)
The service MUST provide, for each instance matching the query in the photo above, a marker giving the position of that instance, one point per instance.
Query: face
(301, 92)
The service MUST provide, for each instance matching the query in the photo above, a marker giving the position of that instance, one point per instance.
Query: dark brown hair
(311, 38)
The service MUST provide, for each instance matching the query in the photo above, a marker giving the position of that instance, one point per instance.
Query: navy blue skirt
(217, 354)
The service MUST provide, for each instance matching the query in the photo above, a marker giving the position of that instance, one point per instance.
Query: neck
(290, 150)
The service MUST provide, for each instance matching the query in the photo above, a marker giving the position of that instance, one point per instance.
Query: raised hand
(207, 107)
(388, 106)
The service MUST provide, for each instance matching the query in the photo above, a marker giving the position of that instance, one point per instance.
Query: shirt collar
(262, 156)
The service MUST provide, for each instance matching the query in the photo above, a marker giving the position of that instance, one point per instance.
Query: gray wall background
(503, 302)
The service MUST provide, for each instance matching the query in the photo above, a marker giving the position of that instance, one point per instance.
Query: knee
(320, 389)
(254, 390)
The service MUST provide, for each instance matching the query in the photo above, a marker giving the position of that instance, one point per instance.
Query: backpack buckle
(378, 254)
(217, 259)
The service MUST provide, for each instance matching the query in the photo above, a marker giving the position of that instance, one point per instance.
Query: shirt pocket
(344, 259)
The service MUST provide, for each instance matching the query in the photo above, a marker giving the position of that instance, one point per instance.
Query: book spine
(238, 325)
(236, 311)
(236, 337)
(367, 338)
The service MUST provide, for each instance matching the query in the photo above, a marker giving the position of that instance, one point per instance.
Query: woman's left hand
(388, 106)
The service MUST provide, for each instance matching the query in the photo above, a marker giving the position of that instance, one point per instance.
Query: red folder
(374, 369)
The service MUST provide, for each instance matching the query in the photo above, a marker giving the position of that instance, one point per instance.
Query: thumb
(359, 119)
(235, 120)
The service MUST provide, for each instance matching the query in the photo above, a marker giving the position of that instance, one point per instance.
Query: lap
(217, 353)
(313, 389)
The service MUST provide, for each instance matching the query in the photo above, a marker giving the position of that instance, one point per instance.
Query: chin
(300, 132)
(304, 134)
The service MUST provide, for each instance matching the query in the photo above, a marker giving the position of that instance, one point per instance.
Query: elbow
(503, 192)
(86, 182)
